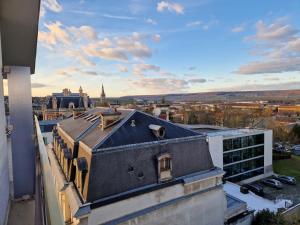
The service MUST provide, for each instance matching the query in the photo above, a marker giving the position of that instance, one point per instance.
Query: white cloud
(70, 71)
(159, 85)
(38, 85)
(141, 69)
(197, 80)
(122, 68)
(194, 23)
(238, 29)
(83, 32)
(260, 87)
(170, 6)
(156, 37)
(55, 34)
(151, 21)
(279, 49)
(271, 66)
(51, 5)
(82, 43)
(275, 31)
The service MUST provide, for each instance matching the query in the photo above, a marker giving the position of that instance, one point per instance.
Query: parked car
(285, 179)
(273, 183)
(279, 148)
(296, 149)
(255, 188)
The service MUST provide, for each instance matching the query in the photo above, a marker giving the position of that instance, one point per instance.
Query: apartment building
(125, 166)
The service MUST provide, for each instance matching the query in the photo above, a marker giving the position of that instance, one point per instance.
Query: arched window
(164, 163)
(71, 105)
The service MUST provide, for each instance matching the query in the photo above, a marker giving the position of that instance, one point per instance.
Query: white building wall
(202, 209)
(268, 151)
(4, 180)
(215, 144)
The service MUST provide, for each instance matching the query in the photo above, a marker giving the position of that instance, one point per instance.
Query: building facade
(244, 154)
(124, 167)
(63, 104)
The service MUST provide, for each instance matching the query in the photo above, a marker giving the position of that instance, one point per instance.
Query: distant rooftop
(235, 132)
(211, 130)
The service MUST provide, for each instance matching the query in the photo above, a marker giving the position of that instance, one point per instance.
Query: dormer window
(164, 167)
(81, 171)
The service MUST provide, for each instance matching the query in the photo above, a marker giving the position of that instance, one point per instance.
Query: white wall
(202, 209)
(268, 151)
(215, 144)
(4, 181)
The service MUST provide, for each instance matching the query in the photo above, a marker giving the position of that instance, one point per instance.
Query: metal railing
(48, 208)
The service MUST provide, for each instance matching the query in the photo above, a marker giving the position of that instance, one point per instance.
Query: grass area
(290, 167)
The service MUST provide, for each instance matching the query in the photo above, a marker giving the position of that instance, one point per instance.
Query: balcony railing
(47, 203)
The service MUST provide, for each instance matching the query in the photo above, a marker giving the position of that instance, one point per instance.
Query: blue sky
(157, 47)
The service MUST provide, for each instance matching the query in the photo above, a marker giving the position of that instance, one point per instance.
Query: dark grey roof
(125, 134)
(64, 101)
(75, 128)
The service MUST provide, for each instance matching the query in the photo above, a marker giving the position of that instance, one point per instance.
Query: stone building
(125, 166)
(64, 104)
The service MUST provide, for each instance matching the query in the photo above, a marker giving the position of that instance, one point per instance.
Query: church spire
(80, 91)
(102, 97)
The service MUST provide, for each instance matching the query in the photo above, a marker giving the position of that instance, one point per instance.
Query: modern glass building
(244, 154)
(243, 157)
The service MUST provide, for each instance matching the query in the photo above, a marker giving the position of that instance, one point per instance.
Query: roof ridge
(165, 121)
(124, 120)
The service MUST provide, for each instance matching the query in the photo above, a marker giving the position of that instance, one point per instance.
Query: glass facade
(242, 142)
(243, 157)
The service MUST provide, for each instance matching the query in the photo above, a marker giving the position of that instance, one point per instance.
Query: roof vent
(132, 123)
(158, 131)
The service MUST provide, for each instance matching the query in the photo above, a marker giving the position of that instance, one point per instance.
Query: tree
(296, 131)
(266, 217)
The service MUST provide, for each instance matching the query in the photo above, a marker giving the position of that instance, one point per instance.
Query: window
(164, 167)
(81, 171)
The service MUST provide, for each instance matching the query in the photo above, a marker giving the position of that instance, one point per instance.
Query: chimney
(108, 118)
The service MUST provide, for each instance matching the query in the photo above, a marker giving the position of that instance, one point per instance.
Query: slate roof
(64, 101)
(77, 127)
(123, 133)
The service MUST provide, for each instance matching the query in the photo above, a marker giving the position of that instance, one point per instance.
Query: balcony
(43, 208)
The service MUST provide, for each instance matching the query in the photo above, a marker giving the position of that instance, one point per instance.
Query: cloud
(159, 85)
(141, 69)
(192, 68)
(118, 17)
(77, 55)
(238, 29)
(151, 21)
(170, 6)
(278, 46)
(82, 43)
(70, 71)
(275, 31)
(272, 78)
(51, 5)
(156, 37)
(122, 68)
(194, 23)
(199, 80)
(272, 66)
(55, 34)
(83, 32)
(38, 85)
(261, 87)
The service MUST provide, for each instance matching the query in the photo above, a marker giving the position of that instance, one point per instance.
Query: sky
(150, 47)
